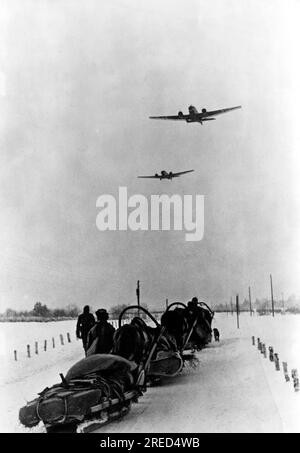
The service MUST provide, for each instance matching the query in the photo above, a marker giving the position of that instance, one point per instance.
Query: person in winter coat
(84, 324)
(100, 337)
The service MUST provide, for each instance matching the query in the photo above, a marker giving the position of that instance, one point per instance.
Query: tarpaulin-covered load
(104, 364)
(90, 382)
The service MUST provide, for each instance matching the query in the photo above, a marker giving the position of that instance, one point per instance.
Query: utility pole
(167, 304)
(237, 311)
(231, 306)
(272, 299)
(138, 296)
(250, 301)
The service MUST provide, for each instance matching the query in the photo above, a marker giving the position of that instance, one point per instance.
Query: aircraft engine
(180, 114)
(204, 110)
(156, 174)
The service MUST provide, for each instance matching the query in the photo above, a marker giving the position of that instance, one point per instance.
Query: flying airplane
(194, 116)
(165, 175)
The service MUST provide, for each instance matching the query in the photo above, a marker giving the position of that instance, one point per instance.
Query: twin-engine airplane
(165, 175)
(194, 116)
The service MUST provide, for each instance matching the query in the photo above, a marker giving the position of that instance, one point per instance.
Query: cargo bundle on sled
(166, 359)
(189, 324)
(101, 385)
(95, 390)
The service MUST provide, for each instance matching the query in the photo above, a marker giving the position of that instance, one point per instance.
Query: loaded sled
(95, 390)
(190, 325)
(165, 360)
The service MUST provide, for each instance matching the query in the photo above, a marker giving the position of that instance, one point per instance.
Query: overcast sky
(78, 81)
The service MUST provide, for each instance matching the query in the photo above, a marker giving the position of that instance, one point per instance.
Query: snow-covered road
(232, 389)
(229, 392)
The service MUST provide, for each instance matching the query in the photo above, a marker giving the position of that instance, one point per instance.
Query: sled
(96, 390)
(194, 327)
(90, 389)
(162, 363)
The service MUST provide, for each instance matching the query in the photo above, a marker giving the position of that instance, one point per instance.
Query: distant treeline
(40, 313)
(262, 306)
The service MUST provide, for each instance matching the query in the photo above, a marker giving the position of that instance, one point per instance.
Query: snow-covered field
(233, 389)
(16, 336)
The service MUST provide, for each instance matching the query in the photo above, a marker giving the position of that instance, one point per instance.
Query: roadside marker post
(271, 353)
(295, 379)
(285, 371)
(276, 360)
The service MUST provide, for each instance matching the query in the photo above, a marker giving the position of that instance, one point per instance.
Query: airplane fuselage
(194, 115)
(165, 175)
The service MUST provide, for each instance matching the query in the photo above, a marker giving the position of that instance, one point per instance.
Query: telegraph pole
(138, 296)
(272, 295)
(237, 311)
(250, 301)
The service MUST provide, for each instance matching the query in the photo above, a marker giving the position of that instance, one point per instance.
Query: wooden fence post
(53, 342)
(36, 347)
(295, 379)
(28, 350)
(258, 344)
(276, 359)
(45, 345)
(285, 371)
(15, 355)
(69, 338)
(61, 339)
(271, 354)
(253, 340)
(261, 348)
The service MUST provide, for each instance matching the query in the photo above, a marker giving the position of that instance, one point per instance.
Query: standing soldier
(84, 324)
(100, 337)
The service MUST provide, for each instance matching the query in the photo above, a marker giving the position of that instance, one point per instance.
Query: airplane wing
(148, 176)
(170, 117)
(218, 112)
(181, 173)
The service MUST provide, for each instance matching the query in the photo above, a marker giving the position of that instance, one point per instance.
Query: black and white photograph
(150, 218)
